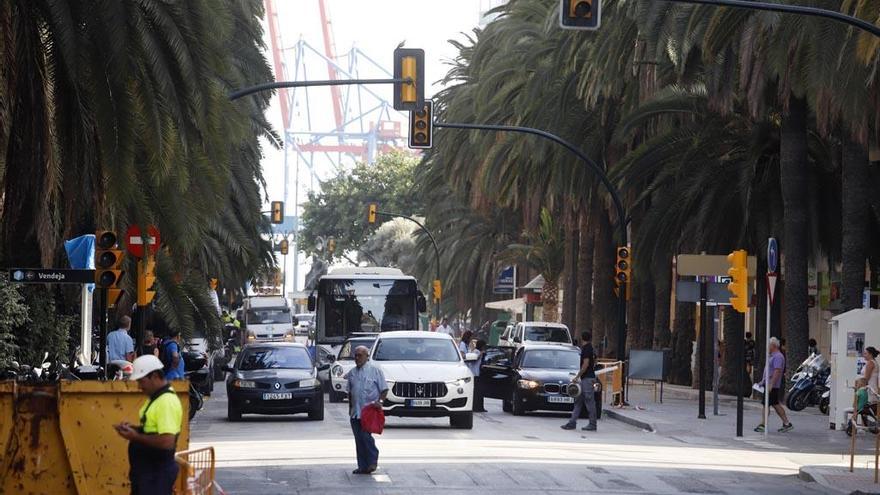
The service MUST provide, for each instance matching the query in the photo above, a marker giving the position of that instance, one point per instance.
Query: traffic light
(580, 14)
(371, 213)
(331, 245)
(146, 280)
(623, 270)
(284, 247)
(438, 290)
(277, 212)
(108, 261)
(409, 63)
(739, 284)
(421, 126)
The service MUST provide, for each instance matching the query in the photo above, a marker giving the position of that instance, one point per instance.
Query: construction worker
(151, 445)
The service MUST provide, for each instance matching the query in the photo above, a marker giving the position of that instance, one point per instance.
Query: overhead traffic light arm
(299, 84)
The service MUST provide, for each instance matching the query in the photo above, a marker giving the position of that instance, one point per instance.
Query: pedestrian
(445, 328)
(813, 347)
(465, 343)
(871, 371)
(150, 344)
(772, 383)
(151, 444)
(479, 348)
(120, 346)
(366, 388)
(172, 356)
(750, 355)
(587, 377)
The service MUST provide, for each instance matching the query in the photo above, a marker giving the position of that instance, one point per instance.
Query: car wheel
(516, 406)
(462, 421)
(317, 412)
(336, 397)
(233, 413)
(505, 405)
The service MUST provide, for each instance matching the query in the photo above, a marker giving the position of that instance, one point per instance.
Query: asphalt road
(503, 454)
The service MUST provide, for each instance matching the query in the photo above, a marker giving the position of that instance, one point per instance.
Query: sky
(375, 27)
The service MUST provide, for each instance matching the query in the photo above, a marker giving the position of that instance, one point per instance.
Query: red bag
(372, 419)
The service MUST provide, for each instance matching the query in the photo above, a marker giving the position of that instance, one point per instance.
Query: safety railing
(196, 475)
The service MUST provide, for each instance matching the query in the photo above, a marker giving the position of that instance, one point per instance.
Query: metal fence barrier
(196, 475)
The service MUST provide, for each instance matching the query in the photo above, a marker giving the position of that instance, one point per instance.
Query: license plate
(278, 396)
(419, 402)
(560, 399)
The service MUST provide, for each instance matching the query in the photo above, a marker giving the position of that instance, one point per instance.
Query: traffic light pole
(101, 294)
(433, 241)
(701, 354)
(622, 218)
(300, 84)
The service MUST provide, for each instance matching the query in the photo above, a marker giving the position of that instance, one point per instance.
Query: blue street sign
(504, 284)
(772, 255)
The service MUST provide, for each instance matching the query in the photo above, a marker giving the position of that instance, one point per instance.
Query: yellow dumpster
(58, 438)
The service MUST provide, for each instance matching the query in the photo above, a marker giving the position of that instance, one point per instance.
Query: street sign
(772, 255)
(51, 276)
(697, 265)
(771, 286)
(505, 282)
(134, 240)
(689, 291)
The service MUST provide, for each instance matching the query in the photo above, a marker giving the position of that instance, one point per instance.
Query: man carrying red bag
(366, 389)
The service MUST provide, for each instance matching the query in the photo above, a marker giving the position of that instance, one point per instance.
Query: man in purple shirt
(772, 382)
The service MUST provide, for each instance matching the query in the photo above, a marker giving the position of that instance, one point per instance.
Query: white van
(268, 318)
(535, 332)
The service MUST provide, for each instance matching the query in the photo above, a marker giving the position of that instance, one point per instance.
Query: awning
(515, 306)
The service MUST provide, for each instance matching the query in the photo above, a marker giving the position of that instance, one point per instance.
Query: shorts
(774, 397)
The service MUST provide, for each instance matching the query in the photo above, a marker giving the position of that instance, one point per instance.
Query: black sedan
(274, 378)
(533, 377)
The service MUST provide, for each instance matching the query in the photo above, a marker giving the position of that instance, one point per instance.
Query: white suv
(426, 375)
(536, 332)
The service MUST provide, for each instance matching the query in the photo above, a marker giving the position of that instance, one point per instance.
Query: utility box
(851, 332)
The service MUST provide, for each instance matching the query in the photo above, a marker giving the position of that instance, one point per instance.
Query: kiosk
(851, 332)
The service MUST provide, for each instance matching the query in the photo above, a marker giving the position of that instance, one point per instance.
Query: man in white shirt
(445, 328)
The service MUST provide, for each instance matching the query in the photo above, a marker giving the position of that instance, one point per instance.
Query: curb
(628, 420)
(811, 475)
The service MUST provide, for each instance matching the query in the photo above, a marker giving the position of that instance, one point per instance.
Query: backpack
(165, 354)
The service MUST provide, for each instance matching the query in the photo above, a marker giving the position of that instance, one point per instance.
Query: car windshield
(552, 359)
(347, 351)
(305, 318)
(266, 316)
(288, 358)
(416, 349)
(547, 334)
(354, 305)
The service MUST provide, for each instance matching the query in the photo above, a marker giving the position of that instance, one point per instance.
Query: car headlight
(528, 384)
(337, 371)
(311, 382)
(244, 384)
(460, 382)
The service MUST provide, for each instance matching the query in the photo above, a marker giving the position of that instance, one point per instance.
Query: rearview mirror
(313, 303)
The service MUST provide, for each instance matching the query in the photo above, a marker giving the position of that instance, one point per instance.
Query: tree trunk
(793, 181)
(586, 246)
(569, 302)
(855, 199)
(682, 344)
(645, 338)
(550, 301)
(605, 305)
(662, 294)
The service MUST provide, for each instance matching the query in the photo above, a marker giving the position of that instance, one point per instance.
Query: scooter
(825, 401)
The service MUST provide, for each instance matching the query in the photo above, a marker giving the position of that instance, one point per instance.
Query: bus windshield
(355, 305)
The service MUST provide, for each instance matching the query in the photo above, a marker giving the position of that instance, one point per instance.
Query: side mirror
(228, 369)
(323, 367)
(471, 356)
(421, 303)
(517, 339)
(313, 302)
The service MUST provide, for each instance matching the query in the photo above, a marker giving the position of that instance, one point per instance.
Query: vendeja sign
(51, 276)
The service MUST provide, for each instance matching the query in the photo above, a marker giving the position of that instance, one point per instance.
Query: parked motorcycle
(825, 401)
(809, 383)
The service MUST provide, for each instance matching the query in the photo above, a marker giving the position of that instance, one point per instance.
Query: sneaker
(786, 428)
(759, 428)
(589, 428)
(568, 426)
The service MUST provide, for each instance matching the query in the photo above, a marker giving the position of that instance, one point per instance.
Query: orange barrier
(611, 376)
(196, 475)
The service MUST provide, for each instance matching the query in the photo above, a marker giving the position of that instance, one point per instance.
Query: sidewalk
(676, 418)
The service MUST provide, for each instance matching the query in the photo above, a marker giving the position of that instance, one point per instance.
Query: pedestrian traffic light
(146, 280)
(623, 270)
(739, 284)
(277, 212)
(409, 64)
(284, 247)
(580, 14)
(108, 261)
(421, 126)
(438, 290)
(371, 213)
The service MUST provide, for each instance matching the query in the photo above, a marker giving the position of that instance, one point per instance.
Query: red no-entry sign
(134, 240)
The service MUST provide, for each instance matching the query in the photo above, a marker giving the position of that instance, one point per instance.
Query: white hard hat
(145, 365)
